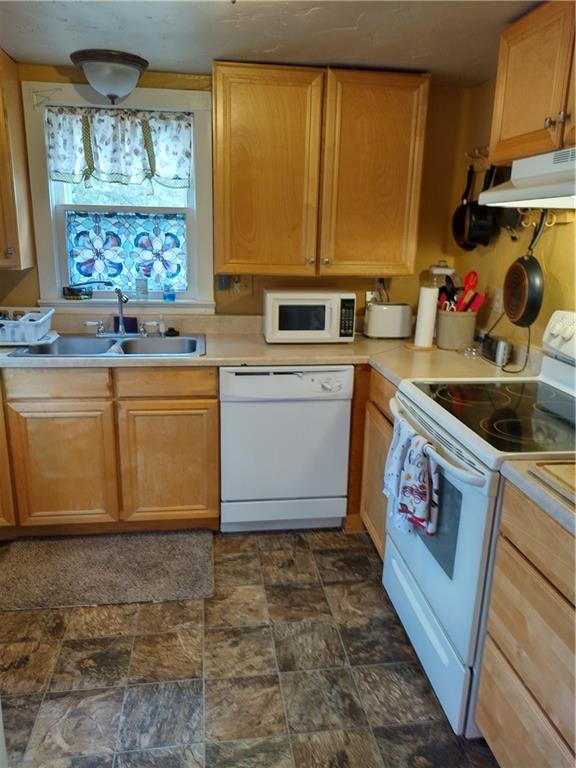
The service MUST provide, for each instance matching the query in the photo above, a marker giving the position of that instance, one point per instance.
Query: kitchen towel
(401, 438)
(419, 487)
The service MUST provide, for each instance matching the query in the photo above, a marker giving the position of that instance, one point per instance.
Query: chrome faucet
(122, 299)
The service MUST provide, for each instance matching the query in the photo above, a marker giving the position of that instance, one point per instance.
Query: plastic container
(455, 329)
(27, 329)
(141, 286)
(168, 292)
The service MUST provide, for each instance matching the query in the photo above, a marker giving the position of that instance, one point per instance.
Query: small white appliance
(387, 321)
(284, 446)
(309, 317)
(440, 584)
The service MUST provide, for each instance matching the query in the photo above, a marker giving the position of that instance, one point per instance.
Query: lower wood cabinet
(377, 439)
(6, 504)
(64, 461)
(169, 459)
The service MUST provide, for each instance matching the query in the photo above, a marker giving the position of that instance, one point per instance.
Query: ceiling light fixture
(114, 74)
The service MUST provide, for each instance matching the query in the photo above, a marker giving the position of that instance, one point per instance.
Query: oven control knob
(568, 332)
(556, 328)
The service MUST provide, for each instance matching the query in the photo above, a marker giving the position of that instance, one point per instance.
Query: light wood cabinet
(64, 461)
(169, 459)
(532, 112)
(374, 125)
(6, 502)
(526, 699)
(16, 233)
(268, 140)
(377, 439)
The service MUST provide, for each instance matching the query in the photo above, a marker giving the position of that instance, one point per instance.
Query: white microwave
(309, 317)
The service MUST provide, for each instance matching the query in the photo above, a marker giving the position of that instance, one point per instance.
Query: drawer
(56, 383)
(548, 546)
(381, 391)
(517, 730)
(533, 626)
(166, 382)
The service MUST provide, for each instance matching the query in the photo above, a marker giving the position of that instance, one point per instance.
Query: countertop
(540, 493)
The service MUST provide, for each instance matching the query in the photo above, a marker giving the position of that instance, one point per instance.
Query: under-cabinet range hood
(543, 181)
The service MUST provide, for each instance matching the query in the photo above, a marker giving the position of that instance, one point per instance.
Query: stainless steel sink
(165, 345)
(69, 346)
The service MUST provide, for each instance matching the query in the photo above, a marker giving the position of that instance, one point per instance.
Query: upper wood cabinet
(532, 111)
(269, 190)
(16, 234)
(374, 129)
(6, 502)
(267, 123)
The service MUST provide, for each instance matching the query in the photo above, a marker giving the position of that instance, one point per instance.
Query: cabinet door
(16, 234)
(377, 439)
(266, 171)
(532, 83)
(6, 503)
(169, 459)
(373, 144)
(64, 461)
(570, 117)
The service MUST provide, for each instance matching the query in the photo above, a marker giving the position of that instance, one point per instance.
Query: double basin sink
(97, 346)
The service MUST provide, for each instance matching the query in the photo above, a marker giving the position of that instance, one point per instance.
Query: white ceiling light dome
(114, 74)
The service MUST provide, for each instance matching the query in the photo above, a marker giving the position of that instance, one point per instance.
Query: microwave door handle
(329, 312)
(470, 478)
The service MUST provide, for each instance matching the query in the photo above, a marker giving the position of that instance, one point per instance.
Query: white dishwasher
(285, 433)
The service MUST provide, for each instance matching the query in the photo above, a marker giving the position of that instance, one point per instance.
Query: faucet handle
(98, 324)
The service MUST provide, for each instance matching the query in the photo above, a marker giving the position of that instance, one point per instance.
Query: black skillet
(524, 284)
(459, 217)
(480, 220)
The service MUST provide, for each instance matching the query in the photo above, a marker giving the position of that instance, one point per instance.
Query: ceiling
(455, 40)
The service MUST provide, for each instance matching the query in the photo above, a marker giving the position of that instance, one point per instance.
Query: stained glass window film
(119, 246)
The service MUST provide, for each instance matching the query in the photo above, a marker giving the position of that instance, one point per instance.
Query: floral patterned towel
(403, 434)
(419, 487)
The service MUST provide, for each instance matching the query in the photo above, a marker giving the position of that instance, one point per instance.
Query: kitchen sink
(91, 346)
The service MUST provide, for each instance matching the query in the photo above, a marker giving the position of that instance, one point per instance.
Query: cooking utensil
(524, 283)
(459, 217)
(477, 302)
(480, 220)
(470, 283)
(449, 306)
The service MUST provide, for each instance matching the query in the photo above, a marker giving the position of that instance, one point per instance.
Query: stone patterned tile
(426, 745)
(355, 602)
(237, 569)
(235, 651)
(99, 662)
(396, 694)
(102, 621)
(270, 752)
(171, 757)
(296, 603)
(335, 539)
(243, 708)
(164, 617)
(281, 540)
(321, 700)
(313, 644)
(167, 656)
(92, 761)
(19, 713)
(478, 753)
(336, 749)
(378, 641)
(291, 565)
(237, 607)
(234, 543)
(39, 626)
(76, 723)
(26, 667)
(161, 715)
(337, 565)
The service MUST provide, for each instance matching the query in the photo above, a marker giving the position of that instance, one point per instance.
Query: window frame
(50, 258)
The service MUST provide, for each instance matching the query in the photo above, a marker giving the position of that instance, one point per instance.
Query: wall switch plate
(498, 300)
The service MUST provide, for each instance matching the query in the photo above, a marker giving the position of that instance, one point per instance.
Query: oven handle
(470, 478)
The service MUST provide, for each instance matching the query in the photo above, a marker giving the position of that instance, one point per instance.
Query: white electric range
(440, 584)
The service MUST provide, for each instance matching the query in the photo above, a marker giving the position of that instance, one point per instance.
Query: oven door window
(302, 317)
(442, 546)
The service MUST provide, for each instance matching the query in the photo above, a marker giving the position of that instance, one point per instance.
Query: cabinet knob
(562, 117)
(549, 122)
(9, 252)
(311, 260)
(325, 260)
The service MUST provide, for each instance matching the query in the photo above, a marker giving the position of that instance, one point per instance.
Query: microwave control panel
(347, 317)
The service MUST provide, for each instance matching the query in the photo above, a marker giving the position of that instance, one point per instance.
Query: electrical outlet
(241, 285)
(498, 300)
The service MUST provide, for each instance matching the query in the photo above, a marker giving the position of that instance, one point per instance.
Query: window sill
(168, 307)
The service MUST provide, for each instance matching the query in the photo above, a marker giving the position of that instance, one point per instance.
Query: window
(121, 192)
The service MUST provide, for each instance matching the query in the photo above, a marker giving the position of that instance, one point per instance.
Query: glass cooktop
(513, 416)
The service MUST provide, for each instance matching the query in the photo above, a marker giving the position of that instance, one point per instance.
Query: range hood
(543, 181)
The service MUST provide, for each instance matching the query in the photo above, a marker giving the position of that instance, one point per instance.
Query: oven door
(306, 319)
(449, 568)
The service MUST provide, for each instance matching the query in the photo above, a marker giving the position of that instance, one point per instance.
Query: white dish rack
(32, 327)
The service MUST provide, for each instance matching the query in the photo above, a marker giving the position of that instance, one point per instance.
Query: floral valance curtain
(122, 146)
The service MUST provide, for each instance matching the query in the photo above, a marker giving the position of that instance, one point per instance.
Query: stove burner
(524, 432)
(515, 391)
(472, 395)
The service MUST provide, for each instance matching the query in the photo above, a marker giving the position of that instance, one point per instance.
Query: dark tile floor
(298, 661)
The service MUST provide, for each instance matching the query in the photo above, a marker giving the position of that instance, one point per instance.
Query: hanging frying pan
(524, 284)
(480, 220)
(459, 217)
